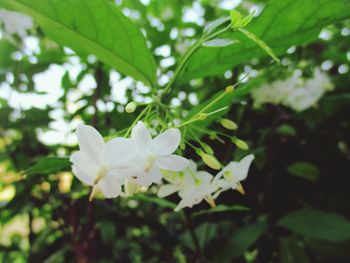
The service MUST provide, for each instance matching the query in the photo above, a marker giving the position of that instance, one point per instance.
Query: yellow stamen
(210, 201)
(240, 188)
(149, 163)
(94, 192)
(101, 173)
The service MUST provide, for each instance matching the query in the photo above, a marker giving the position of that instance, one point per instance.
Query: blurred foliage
(297, 204)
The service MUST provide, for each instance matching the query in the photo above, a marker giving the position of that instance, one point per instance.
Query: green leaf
(220, 209)
(241, 241)
(108, 231)
(317, 224)
(236, 18)
(93, 27)
(260, 43)
(305, 170)
(49, 165)
(292, 251)
(283, 23)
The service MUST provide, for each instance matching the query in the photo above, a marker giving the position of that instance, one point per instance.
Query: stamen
(101, 173)
(240, 188)
(210, 201)
(149, 163)
(94, 192)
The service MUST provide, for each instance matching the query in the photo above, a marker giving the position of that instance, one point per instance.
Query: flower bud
(230, 89)
(240, 143)
(211, 161)
(207, 148)
(202, 116)
(228, 124)
(130, 107)
(130, 188)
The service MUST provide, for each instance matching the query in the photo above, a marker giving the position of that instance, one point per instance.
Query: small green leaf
(236, 19)
(260, 43)
(317, 224)
(49, 165)
(305, 170)
(210, 27)
(221, 209)
(219, 42)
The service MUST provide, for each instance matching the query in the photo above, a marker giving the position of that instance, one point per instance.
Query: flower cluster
(123, 165)
(295, 92)
(131, 161)
(194, 186)
(15, 23)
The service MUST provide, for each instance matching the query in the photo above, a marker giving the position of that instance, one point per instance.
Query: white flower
(231, 176)
(294, 92)
(155, 154)
(102, 165)
(192, 186)
(16, 23)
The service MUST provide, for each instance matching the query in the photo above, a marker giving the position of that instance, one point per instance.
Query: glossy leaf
(317, 224)
(49, 165)
(283, 23)
(93, 27)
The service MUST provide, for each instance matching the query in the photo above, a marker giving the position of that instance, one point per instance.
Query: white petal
(156, 175)
(167, 189)
(167, 142)
(119, 151)
(91, 142)
(84, 170)
(137, 175)
(172, 162)
(110, 187)
(243, 167)
(141, 136)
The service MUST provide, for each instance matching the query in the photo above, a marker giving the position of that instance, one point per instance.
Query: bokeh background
(297, 190)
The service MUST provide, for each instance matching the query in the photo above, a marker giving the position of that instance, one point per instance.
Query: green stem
(183, 63)
(137, 119)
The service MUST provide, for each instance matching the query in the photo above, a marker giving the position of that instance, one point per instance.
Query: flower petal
(172, 162)
(120, 151)
(110, 187)
(82, 168)
(91, 142)
(167, 142)
(141, 136)
(243, 167)
(167, 189)
(156, 175)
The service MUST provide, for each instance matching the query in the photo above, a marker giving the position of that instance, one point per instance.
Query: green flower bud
(240, 143)
(202, 116)
(230, 89)
(130, 188)
(228, 124)
(207, 148)
(130, 107)
(211, 161)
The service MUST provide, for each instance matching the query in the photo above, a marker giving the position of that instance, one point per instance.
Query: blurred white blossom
(15, 23)
(295, 92)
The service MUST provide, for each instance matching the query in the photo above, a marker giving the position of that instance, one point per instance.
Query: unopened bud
(202, 116)
(130, 107)
(130, 188)
(230, 89)
(240, 143)
(207, 148)
(211, 161)
(228, 124)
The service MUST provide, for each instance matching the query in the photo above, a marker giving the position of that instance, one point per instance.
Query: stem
(183, 62)
(137, 119)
